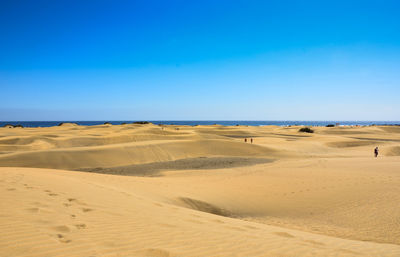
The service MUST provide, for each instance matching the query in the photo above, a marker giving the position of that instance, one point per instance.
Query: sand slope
(57, 213)
(199, 191)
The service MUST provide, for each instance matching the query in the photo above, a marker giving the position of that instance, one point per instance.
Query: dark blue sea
(205, 122)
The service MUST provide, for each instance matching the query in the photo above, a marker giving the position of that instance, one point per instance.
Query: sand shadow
(155, 168)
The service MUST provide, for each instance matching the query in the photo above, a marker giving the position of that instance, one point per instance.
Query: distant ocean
(204, 122)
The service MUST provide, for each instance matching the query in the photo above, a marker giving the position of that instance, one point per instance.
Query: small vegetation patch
(306, 130)
(67, 124)
(13, 126)
(330, 125)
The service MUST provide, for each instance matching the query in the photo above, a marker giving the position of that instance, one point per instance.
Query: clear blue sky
(208, 60)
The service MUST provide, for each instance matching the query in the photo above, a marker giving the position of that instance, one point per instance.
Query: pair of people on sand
(251, 140)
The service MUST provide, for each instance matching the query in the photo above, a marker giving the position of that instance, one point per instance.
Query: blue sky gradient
(207, 60)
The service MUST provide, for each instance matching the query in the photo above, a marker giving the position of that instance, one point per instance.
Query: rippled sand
(146, 190)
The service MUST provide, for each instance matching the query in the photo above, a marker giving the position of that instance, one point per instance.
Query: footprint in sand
(62, 228)
(62, 239)
(74, 200)
(87, 209)
(27, 186)
(80, 226)
(50, 193)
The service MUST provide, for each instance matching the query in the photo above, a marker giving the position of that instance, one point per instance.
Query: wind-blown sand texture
(147, 190)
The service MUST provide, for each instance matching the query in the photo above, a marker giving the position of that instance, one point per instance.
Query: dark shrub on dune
(141, 122)
(8, 126)
(67, 124)
(306, 130)
(107, 123)
(330, 125)
(18, 126)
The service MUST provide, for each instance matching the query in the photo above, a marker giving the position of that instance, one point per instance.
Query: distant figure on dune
(251, 140)
(376, 151)
(245, 140)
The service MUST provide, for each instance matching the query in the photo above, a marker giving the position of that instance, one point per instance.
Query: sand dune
(131, 153)
(199, 191)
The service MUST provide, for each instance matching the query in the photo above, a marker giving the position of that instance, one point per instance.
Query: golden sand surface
(147, 190)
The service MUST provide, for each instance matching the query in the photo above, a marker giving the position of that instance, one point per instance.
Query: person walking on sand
(245, 140)
(251, 140)
(376, 152)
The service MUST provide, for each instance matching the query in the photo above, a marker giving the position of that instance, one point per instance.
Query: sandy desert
(148, 190)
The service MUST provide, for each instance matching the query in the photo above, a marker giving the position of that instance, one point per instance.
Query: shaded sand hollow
(146, 190)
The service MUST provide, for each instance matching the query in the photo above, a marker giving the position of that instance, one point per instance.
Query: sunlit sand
(147, 190)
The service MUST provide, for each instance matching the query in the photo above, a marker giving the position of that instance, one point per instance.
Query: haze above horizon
(199, 60)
